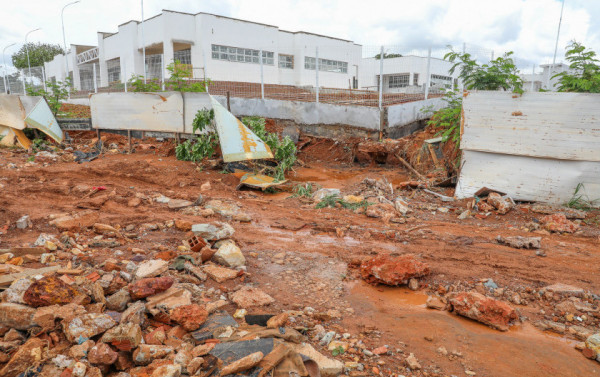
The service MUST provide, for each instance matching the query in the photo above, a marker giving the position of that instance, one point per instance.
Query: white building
(544, 80)
(219, 48)
(406, 74)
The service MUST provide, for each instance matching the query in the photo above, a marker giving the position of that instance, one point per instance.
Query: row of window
(241, 55)
(403, 80)
(326, 65)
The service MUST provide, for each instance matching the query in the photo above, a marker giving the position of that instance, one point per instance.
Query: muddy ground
(304, 257)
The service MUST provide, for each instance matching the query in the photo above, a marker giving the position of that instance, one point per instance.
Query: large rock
(16, 316)
(519, 242)
(216, 231)
(393, 270)
(118, 301)
(151, 268)
(248, 296)
(487, 310)
(27, 355)
(593, 343)
(87, 326)
(190, 317)
(50, 291)
(564, 289)
(149, 286)
(229, 255)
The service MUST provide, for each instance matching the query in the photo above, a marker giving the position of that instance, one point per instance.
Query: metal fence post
(381, 78)
(428, 81)
(162, 71)
(94, 77)
(23, 82)
(262, 81)
(44, 78)
(317, 72)
(125, 75)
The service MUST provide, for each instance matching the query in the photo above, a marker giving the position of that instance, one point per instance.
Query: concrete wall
(409, 112)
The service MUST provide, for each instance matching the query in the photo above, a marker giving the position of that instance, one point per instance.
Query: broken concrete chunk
(229, 255)
(87, 326)
(51, 290)
(149, 286)
(151, 268)
(27, 355)
(393, 270)
(118, 301)
(168, 300)
(519, 242)
(243, 364)
(145, 353)
(216, 231)
(435, 302)
(46, 316)
(17, 289)
(16, 316)
(190, 317)
(322, 193)
(247, 297)
(24, 222)
(328, 367)
(503, 204)
(102, 354)
(487, 310)
(125, 336)
(179, 203)
(565, 289)
(558, 223)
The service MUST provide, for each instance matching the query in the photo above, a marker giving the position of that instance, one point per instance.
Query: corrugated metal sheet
(238, 143)
(17, 112)
(138, 111)
(534, 147)
(40, 116)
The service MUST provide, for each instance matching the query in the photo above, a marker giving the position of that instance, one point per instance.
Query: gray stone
(322, 193)
(229, 255)
(118, 301)
(24, 222)
(151, 268)
(216, 231)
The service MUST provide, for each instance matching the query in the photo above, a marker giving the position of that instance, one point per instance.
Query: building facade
(406, 74)
(219, 48)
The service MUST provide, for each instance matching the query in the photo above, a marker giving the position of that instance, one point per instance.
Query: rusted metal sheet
(238, 143)
(12, 112)
(137, 111)
(12, 137)
(40, 116)
(192, 103)
(535, 147)
(550, 125)
(259, 181)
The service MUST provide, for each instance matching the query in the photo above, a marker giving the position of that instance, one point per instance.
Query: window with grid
(399, 81)
(286, 61)
(183, 56)
(241, 55)
(154, 66)
(415, 79)
(113, 67)
(326, 65)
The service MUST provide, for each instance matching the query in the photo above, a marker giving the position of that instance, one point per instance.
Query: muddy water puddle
(402, 316)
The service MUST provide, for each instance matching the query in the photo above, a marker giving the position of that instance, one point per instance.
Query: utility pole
(6, 82)
(144, 43)
(62, 19)
(27, 51)
(557, 35)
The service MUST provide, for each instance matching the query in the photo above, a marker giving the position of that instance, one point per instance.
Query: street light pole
(4, 60)
(27, 50)
(143, 43)
(62, 18)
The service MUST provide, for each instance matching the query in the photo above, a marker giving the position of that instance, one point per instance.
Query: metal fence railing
(338, 73)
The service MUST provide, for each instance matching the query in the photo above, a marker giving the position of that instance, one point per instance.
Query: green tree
(584, 74)
(39, 53)
(500, 74)
(181, 78)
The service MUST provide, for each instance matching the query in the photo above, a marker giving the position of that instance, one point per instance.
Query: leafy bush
(136, 84)
(205, 144)
(500, 73)
(55, 93)
(301, 190)
(585, 75)
(180, 78)
(447, 120)
(284, 151)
